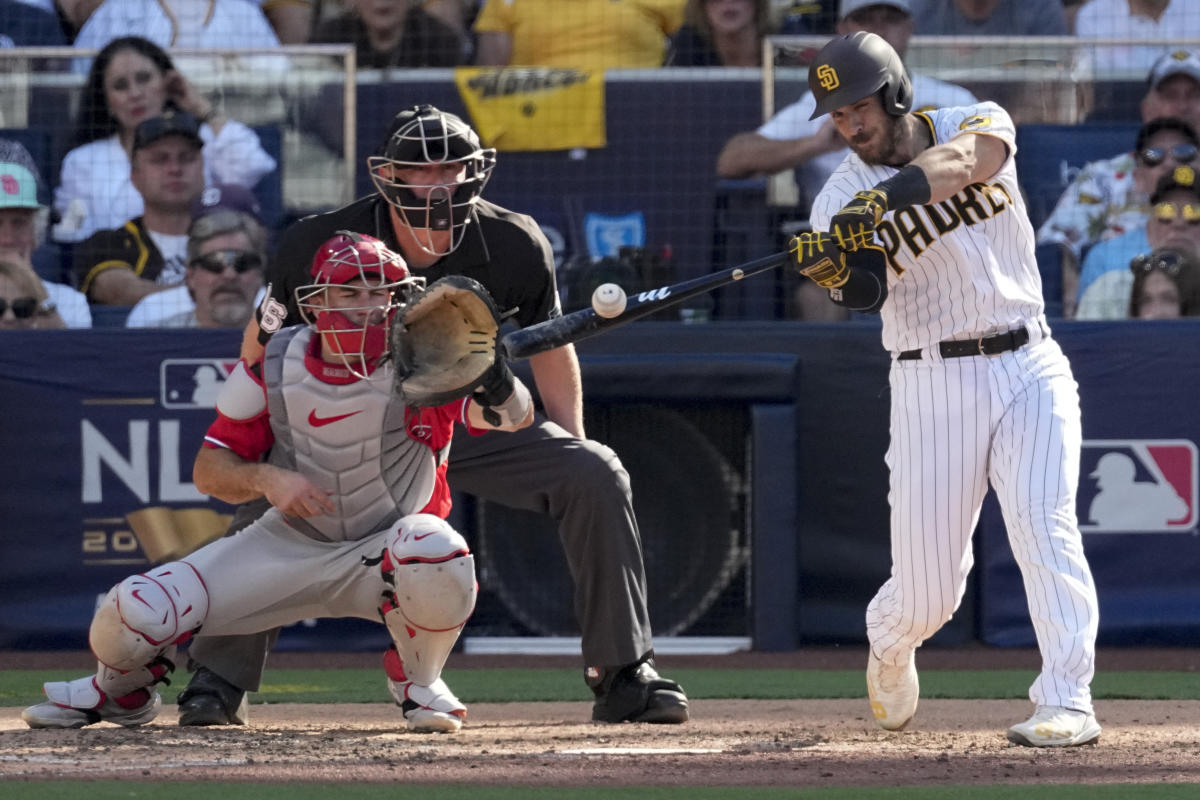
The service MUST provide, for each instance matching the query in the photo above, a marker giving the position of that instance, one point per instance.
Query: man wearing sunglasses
(226, 257)
(1109, 197)
(1174, 223)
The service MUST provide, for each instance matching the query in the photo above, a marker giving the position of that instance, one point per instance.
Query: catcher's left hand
(444, 342)
(854, 226)
(816, 256)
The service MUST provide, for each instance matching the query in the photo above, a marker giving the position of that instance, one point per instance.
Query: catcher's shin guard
(432, 575)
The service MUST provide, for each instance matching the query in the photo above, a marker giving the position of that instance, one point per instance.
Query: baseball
(608, 300)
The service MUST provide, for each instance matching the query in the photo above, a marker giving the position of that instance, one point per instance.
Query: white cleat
(893, 692)
(55, 715)
(428, 709)
(1055, 726)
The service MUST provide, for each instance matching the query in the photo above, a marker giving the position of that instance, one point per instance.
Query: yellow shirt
(586, 34)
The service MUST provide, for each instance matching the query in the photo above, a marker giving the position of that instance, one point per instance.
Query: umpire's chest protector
(350, 439)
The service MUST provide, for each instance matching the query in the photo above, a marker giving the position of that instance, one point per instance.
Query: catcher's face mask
(358, 283)
(432, 200)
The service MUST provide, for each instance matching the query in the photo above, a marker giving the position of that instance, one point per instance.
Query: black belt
(987, 346)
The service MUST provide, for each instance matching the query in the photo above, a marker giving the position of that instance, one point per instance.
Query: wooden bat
(578, 325)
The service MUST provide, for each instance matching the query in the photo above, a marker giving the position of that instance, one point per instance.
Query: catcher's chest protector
(349, 439)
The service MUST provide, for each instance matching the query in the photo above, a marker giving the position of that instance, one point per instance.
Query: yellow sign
(535, 108)
(828, 78)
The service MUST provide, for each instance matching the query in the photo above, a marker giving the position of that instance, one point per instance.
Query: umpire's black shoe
(636, 693)
(209, 699)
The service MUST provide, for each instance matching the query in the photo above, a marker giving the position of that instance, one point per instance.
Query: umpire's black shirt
(503, 250)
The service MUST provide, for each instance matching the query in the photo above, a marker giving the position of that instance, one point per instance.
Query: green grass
(111, 790)
(23, 687)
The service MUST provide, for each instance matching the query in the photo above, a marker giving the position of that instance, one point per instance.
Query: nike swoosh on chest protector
(317, 422)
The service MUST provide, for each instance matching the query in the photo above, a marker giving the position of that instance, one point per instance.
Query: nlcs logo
(828, 78)
(1138, 485)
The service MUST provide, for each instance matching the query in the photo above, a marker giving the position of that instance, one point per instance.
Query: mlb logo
(192, 382)
(607, 235)
(1138, 486)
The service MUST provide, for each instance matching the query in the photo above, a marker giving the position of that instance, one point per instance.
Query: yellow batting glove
(818, 258)
(854, 226)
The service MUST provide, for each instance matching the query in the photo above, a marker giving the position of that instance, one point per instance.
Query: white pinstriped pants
(957, 423)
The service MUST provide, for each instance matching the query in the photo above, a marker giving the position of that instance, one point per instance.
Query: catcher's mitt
(444, 341)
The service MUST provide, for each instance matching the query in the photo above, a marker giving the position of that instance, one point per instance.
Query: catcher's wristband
(513, 410)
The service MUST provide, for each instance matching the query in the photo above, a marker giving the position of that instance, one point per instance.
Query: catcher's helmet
(420, 136)
(357, 334)
(855, 66)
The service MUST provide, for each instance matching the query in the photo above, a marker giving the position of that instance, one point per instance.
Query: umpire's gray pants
(581, 484)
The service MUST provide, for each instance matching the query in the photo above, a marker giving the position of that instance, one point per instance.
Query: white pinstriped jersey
(958, 269)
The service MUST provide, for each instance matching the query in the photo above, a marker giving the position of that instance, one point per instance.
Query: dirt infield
(727, 743)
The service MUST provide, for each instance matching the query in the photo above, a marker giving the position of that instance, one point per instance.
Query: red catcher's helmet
(358, 334)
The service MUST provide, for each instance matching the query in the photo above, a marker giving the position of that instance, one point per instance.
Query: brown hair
(1183, 272)
(694, 16)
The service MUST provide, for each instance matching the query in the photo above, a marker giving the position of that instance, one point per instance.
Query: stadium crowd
(100, 225)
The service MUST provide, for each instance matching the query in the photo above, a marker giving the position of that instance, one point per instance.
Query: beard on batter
(879, 147)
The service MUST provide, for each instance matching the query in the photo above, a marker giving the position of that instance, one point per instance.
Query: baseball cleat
(636, 693)
(428, 709)
(893, 691)
(1055, 726)
(54, 715)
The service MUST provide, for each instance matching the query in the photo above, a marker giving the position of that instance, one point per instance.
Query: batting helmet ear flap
(855, 66)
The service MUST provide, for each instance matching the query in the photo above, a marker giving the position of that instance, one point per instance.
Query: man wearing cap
(23, 223)
(792, 139)
(1173, 223)
(226, 256)
(149, 253)
(1104, 200)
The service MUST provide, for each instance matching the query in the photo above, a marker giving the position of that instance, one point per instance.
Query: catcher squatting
(358, 446)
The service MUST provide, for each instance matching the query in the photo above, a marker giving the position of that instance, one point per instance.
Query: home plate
(639, 751)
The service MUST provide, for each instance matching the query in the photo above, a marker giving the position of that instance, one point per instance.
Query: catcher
(358, 444)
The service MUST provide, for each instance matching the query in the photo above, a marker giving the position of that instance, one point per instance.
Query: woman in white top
(133, 79)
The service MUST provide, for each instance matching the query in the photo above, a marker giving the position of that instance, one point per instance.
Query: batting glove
(854, 226)
(816, 256)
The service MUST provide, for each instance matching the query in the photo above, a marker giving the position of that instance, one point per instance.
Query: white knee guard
(145, 615)
(432, 573)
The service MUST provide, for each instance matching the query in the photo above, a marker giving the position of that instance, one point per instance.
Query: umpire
(430, 174)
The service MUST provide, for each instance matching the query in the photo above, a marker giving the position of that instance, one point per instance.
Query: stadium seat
(269, 190)
(1049, 158)
(109, 316)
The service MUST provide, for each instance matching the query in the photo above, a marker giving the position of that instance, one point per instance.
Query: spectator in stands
(394, 33)
(1104, 200)
(989, 18)
(148, 253)
(292, 20)
(131, 80)
(226, 254)
(790, 140)
(1166, 285)
(720, 33)
(23, 222)
(72, 14)
(26, 25)
(184, 24)
(1104, 282)
(24, 302)
(588, 34)
(1152, 20)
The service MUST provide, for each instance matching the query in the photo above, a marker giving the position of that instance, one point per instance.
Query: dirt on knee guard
(432, 576)
(144, 616)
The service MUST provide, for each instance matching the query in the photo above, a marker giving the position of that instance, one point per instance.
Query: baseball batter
(356, 480)
(924, 223)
